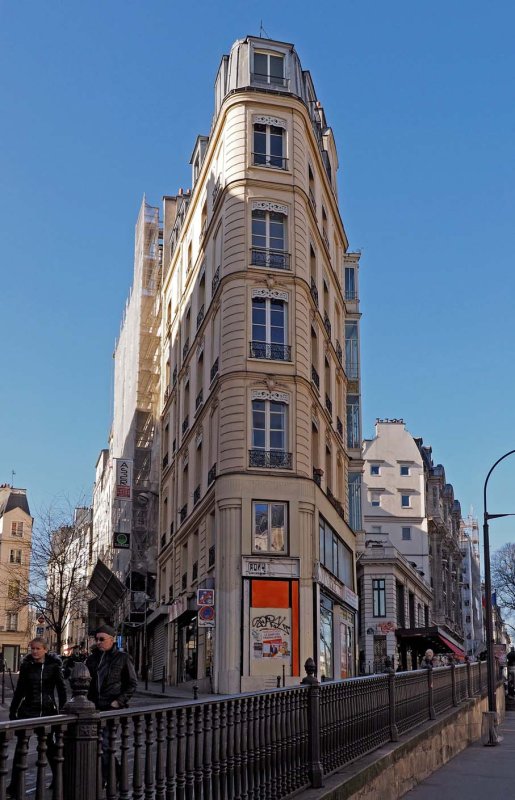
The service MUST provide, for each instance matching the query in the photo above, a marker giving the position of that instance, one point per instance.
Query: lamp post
(492, 706)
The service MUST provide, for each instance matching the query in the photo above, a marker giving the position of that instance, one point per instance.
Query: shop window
(326, 638)
(269, 525)
(335, 556)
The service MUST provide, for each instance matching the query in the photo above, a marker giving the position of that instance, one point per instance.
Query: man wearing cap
(113, 682)
(113, 677)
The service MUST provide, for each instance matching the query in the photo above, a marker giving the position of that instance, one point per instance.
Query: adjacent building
(260, 391)
(15, 554)
(471, 591)
(410, 555)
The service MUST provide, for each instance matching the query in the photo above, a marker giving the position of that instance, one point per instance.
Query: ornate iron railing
(314, 292)
(215, 281)
(315, 378)
(268, 744)
(211, 475)
(270, 350)
(200, 317)
(214, 370)
(270, 459)
(196, 495)
(275, 259)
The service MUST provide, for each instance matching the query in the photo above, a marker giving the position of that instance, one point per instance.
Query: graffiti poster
(270, 631)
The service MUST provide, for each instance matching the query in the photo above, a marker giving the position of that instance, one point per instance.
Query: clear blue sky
(102, 101)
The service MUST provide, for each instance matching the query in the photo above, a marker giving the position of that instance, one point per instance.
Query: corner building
(260, 500)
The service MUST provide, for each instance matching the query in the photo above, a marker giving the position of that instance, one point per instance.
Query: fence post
(394, 733)
(469, 680)
(81, 740)
(315, 766)
(453, 684)
(432, 713)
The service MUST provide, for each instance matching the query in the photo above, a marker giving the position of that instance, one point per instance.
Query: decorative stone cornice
(263, 120)
(266, 205)
(264, 394)
(273, 294)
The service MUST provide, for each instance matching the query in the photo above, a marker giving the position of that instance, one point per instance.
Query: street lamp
(492, 706)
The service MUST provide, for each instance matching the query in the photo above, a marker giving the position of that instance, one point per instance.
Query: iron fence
(270, 744)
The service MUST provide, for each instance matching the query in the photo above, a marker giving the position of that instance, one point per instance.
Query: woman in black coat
(40, 677)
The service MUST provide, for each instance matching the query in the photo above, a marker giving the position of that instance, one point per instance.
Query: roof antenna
(262, 31)
(12, 477)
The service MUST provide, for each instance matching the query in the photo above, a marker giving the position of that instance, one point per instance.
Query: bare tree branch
(503, 576)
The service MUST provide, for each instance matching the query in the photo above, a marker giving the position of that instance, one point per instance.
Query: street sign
(206, 617)
(205, 597)
(121, 541)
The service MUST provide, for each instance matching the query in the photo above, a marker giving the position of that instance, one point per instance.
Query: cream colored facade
(260, 391)
(15, 553)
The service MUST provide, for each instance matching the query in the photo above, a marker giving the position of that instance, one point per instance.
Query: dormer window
(269, 69)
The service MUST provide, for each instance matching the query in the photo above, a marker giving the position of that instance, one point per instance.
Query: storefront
(337, 606)
(271, 621)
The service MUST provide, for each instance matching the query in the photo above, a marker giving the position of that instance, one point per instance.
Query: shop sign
(123, 478)
(333, 584)
(206, 617)
(178, 607)
(121, 541)
(256, 568)
(270, 567)
(205, 597)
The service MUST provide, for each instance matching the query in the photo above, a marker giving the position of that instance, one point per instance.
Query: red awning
(452, 647)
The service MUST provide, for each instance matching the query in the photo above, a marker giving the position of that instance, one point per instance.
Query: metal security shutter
(158, 648)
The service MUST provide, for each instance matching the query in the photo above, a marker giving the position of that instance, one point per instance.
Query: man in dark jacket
(113, 677)
(113, 682)
(40, 677)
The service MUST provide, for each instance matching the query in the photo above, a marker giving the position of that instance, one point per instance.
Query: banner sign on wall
(123, 478)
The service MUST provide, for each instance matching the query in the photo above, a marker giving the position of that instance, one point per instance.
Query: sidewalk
(476, 773)
(181, 693)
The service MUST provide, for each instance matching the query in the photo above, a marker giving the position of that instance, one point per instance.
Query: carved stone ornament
(277, 121)
(273, 294)
(263, 394)
(265, 205)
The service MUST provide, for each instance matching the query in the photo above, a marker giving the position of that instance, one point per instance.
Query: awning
(456, 650)
(423, 638)
(106, 587)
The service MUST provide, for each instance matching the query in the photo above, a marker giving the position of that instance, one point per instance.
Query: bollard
(389, 670)
(278, 679)
(432, 713)
(163, 681)
(81, 740)
(315, 765)
(284, 676)
(195, 691)
(469, 680)
(453, 682)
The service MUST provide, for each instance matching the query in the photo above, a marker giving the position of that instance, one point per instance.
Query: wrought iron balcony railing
(185, 423)
(328, 404)
(270, 459)
(270, 350)
(327, 323)
(267, 160)
(196, 495)
(200, 316)
(272, 81)
(317, 475)
(339, 352)
(211, 475)
(315, 377)
(339, 427)
(314, 291)
(216, 280)
(312, 200)
(185, 348)
(275, 259)
(199, 400)
(211, 556)
(216, 189)
(183, 513)
(214, 370)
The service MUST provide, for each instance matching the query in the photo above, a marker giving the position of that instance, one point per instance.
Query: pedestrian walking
(427, 661)
(113, 682)
(40, 677)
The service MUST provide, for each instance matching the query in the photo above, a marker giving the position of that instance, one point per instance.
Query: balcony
(183, 513)
(339, 352)
(185, 348)
(339, 427)
(267, 160)
(216, 280)
(328, 404)
(325, 238)
(274, 259)
(269, 81)
(317, 475)
(214, 370)
(315, 378)
(270, 351)
(200, 317)
(270, 459)
(211, 475)
(199, 401)
(196, 495)
(216, 189)
(211, 556)
(312, 200)
(335, 503)
(185, 423)
(314, 292)
(327, 323)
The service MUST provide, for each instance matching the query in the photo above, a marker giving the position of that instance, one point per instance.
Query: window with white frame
(16, 528)
(269, 527)
(269, 68)
(269, 238)
(11, 621)
(375, 499)
(269, 432)
(269, 325)
(269, 142)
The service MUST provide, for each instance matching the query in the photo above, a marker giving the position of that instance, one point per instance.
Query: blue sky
(102, 101)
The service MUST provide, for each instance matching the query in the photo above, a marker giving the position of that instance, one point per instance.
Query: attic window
(269, 69)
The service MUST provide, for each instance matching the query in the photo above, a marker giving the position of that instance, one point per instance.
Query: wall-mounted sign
(205, 597)
(206, 617)
(121, 541)
(123, 478)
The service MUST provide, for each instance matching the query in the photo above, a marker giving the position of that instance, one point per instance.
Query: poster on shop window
(270, 633)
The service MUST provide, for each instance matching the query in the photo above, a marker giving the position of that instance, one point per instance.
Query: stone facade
(15, 553)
